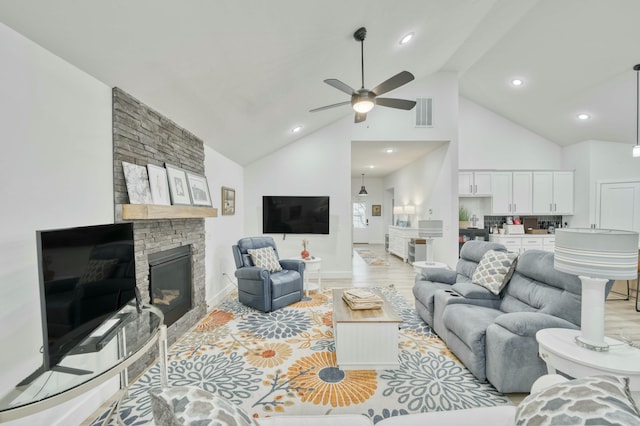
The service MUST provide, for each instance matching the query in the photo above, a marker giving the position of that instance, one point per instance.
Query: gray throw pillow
(595, 400)
(266, 258)
(187, 405)
(494, 270)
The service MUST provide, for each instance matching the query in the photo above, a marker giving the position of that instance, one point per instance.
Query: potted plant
(463, 218)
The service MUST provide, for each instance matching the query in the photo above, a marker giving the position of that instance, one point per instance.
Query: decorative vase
(304, 254)
(463, 224)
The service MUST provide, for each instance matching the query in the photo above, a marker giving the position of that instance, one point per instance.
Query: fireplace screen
(170, 282)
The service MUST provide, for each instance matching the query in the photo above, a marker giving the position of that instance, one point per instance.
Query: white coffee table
(366, 339)
(558, 350)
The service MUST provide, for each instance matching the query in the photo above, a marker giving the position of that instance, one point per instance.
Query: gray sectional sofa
(494, 335)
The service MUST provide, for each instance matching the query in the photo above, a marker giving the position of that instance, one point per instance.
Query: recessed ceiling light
(372, 166)
(584, 116)
(517, 82)
(296, 129)
(407, 38)
(389, 150)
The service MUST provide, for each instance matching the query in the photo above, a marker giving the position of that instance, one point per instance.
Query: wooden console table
(134, 335)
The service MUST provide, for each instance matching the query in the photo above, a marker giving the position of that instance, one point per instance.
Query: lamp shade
(430, 228)
(398, 210)
(409, 209)
(597, 253)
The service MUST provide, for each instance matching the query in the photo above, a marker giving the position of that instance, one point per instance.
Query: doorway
(360, 222)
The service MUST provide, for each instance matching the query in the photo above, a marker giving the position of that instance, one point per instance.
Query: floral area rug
(370, 257)
(283, 363)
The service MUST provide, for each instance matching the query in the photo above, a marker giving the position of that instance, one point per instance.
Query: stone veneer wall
(143, 136)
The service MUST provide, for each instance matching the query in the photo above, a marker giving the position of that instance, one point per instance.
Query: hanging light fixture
(636, 148)
(363, 190)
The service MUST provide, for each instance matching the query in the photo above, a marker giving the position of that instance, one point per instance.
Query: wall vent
(424, 112)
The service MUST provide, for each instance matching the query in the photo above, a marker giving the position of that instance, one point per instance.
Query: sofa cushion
(495, 270)
(187, 405)
(265, 257)
(590, 400)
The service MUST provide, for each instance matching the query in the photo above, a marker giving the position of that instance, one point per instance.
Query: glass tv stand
(107, 352)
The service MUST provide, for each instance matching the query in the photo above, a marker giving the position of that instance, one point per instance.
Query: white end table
(311, 264)
(419, 266)
(558, 349)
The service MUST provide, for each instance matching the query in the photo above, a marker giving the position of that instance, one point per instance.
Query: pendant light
(636, 148)
(363, 190)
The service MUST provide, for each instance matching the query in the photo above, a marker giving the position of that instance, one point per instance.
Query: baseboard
(221, 295)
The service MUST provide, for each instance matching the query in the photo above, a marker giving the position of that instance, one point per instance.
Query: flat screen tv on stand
(295, 214)
(86, 275)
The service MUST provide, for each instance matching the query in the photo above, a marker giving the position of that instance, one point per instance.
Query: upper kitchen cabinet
(511, 193)
(553, 192)
(474, 184)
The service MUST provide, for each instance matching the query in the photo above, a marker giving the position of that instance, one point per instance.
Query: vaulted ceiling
(240, 74)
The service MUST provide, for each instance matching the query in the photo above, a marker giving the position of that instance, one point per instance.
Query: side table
(419, 266)
(311, 264)
(558, 350)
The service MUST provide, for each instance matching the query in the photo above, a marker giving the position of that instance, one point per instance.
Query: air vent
(424, 112)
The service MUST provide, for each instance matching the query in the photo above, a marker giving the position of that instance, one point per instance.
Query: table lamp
(430, 229)
(595, 256)
(409, 210)
(397, 211)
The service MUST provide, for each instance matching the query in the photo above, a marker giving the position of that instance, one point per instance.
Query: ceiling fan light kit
(363, 100)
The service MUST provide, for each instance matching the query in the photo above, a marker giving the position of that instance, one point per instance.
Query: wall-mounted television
(295, 214)
(87, 274)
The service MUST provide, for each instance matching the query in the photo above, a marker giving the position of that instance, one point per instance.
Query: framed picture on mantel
(178, 186)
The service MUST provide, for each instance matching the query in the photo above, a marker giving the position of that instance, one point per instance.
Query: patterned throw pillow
(596, 400)
(186, 405)
(494, 270)
(265, 257)
(98, 269)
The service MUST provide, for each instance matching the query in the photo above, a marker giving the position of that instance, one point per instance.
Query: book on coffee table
(361, 299)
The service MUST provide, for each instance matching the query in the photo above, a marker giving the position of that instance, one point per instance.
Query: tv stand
(123, 345)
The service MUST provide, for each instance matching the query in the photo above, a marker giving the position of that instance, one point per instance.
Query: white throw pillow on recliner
(266, 258)
(494, 270)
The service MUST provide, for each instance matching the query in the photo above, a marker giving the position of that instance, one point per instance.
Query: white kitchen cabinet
(521, 243)
(474, 184)
(399, 239)
(553, 192)
(511, 193)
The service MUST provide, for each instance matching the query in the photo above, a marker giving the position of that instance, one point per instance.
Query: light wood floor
(620, 316)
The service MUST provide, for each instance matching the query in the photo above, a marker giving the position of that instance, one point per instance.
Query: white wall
(595, 161)
(56, 170)
(490, 141)
(318, 164)
(222, 231)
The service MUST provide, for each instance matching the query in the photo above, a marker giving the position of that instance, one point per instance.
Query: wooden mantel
(157, 212)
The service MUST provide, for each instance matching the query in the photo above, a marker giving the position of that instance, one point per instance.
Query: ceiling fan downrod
(360, 35)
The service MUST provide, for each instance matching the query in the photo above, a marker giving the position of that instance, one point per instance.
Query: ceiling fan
(363, 100)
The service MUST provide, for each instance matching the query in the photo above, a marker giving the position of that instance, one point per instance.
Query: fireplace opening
(170, 282)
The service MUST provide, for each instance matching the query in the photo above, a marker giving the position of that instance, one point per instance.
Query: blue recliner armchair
(260, 288)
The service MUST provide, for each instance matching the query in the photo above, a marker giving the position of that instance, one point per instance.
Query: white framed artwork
(159, 185)
(178, 186)
(135, 177)
(199, 189)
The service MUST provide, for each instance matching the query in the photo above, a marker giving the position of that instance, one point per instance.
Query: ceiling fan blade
(395, 103)
(360, 117)
(340, 86)
(393, 83)
(330, 106)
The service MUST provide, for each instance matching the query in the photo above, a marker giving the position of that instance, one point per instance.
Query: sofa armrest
(527, 324)
(252, 273)
(474, 291)
(439, 275)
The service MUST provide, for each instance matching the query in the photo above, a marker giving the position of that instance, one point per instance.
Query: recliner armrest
(527, 324)
(252, 273)
(440, 275)
(293, 265)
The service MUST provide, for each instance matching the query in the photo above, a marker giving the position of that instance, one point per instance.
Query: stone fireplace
(143, 136)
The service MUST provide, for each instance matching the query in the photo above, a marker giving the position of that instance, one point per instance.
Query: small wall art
(159, 185)
(137, 183)
(228, 201)
(199, 189)
(178, 185)
(376, 210)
